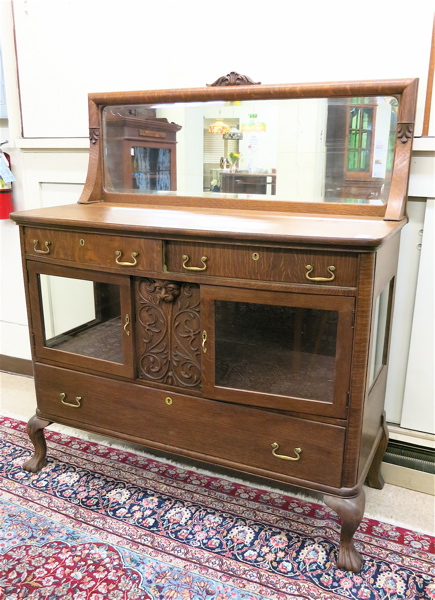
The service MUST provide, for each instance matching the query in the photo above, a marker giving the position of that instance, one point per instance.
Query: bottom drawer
(239, 437)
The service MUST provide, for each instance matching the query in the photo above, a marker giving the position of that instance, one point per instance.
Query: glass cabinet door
(82, 318)
(278, 350)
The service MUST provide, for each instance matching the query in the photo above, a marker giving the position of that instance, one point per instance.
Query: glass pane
(151, 168)
(352, 160)
(364, 160)
(355, 114)
(367, 121)
(354, 139)
(280, 350)
(366, 140)
(82, 317)
(379, 336)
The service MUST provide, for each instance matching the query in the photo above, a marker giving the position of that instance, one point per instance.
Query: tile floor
(393, 504)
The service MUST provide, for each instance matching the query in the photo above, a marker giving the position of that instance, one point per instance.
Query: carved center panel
(168, 332)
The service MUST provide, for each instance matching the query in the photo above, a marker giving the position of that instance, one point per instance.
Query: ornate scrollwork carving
(168, 332)
(233, 78)
(405, 131)
(94, 134)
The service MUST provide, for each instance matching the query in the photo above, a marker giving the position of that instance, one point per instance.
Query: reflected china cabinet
(249, 331)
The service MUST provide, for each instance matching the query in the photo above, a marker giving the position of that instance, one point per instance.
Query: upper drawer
(88, 248)
(259, 263)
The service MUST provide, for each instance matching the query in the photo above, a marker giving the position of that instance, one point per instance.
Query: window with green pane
(360, 136)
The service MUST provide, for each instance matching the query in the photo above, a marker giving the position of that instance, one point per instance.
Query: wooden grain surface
(214, 431)
(272, 227)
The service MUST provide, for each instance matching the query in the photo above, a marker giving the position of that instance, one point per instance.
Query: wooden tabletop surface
(253, 225)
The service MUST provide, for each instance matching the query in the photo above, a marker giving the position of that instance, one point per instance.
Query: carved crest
(233, 78)
(405, 131)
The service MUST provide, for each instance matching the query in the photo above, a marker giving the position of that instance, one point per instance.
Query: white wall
(67, 48)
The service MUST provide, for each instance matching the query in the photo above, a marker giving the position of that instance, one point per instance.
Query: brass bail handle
(126, 324)
(75, 404)
(204, 340)
(46, 244)
(186, 259)
(118, 255)
(297, 451)
(330, 270)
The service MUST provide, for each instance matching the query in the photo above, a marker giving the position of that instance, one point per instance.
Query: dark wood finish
(35, 430)
(374, 477)
(168, 392)
(351, 512)
(248, 183)
(91, 249)
(197, 427)
(168, 335)
(262, 263)
(125, 132)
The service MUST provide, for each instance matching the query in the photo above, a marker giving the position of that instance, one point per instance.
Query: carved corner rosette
(233, 78)
(94, 134)
(405, 132)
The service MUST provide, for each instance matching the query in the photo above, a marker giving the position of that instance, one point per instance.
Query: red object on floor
(6, 203)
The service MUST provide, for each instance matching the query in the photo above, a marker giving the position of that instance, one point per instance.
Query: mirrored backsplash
(304, 150)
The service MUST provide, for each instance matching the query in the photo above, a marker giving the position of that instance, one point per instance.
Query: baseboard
(19, 366)
(408, 478)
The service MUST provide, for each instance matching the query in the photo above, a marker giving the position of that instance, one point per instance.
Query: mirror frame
(233, 87)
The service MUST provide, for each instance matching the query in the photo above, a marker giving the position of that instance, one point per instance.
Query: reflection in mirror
(93, 325)
(306, 150)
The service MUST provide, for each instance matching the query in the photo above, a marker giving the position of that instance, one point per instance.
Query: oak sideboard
(250, 331)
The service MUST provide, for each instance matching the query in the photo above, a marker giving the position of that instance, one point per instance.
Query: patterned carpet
(104, 524)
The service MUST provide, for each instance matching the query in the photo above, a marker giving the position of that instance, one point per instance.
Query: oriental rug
(99, 523)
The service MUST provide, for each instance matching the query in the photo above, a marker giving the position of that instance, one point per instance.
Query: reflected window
(360, 139)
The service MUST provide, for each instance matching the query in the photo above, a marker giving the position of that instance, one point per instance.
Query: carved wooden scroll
(233, 78)
(168, 332)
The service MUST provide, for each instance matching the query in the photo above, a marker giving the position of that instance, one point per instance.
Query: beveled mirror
(338, 147)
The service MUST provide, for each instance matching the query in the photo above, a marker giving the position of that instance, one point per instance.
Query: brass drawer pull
(118, 254)
(77, 404)
(330, 270)
(46, 244)
(297, 451)
(186, 260)
(127, 323)
(204, 339)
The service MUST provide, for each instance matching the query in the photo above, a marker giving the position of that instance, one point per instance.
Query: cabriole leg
(351, 512)
(35, 429)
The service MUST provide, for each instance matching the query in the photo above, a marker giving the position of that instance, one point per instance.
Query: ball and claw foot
(351, 512)
(35, 430)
